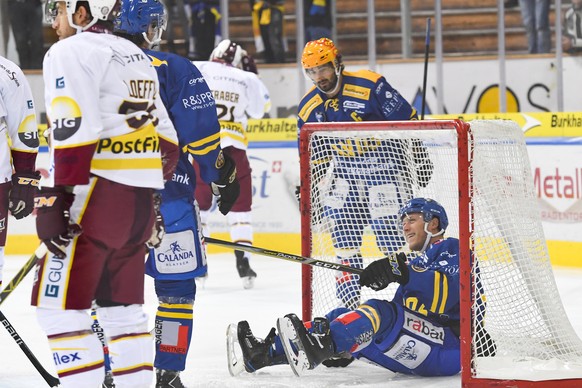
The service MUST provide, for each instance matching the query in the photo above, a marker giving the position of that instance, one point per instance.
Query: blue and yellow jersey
(364, 96)
(433, 286)
(192, 109)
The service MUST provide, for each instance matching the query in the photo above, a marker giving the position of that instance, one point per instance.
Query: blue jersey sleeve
(390, 104)
(192, 109)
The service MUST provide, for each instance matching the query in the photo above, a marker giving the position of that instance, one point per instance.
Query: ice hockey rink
(223, 300)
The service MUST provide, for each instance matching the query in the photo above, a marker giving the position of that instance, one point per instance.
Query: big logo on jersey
(28, 132)
(65, 117)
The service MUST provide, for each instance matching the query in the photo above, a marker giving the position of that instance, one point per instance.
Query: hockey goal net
(355, 177)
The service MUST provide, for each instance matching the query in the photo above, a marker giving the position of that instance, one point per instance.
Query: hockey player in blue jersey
(342, 96)
(416, 333)
(179, 257)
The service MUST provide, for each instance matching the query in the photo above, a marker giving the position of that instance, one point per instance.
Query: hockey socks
(347, 284)
(173, 333)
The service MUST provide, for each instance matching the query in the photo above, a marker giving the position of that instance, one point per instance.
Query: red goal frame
(464, 158)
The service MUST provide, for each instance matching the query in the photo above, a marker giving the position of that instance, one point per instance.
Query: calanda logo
(174, 254)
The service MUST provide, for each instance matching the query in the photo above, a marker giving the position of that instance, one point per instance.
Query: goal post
(355, 177)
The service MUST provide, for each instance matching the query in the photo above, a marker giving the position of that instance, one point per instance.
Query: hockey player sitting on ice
(352, 182)
(179, 258)
(112, 145)
(18, 148)
(239, 94)
(415, 333)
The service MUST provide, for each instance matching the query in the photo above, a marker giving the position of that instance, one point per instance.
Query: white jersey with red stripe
(238, 95)
(18, 127)
(105, 114)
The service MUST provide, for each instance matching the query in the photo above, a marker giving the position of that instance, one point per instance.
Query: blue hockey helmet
(146, 17)
(429, 208)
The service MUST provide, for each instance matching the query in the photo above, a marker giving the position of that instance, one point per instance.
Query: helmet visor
(51, 11)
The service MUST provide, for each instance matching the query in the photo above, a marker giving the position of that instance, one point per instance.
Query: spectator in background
(205, 31)
(268, 29)
(536, 19)
(317, 14)
(572, 33)
(26, 20)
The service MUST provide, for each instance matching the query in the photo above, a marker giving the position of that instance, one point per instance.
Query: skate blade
(296, 358)
(233, 351)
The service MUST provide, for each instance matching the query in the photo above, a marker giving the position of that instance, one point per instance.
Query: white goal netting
(360, 175)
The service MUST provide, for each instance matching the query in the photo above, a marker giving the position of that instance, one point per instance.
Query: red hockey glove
(227, 186)
(24, 186)
(52, 219)
(380, 273)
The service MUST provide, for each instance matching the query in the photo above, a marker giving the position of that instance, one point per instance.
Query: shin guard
(77, 353)
(130, 345)
(173, 333)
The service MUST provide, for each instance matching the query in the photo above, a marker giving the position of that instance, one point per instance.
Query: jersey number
(136, 122)
(223, 110)
(412, 304)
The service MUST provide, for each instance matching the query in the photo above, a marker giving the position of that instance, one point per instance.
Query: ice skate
(108, 380)
(168, 379)
(304, 350)
(246, 352)
(245, 271)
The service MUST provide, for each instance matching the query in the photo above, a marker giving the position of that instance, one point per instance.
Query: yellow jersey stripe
(203, 151)
(445, 294)
(127, 164)
(437, 292)
(372, 315)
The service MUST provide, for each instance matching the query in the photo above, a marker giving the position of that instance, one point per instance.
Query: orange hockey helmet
(319, 52)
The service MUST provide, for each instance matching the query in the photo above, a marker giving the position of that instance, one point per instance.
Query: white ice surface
(222, 301)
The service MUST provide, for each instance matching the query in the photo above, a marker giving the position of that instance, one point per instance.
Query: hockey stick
(51, 380)
(426, 49)
(20, 275)
(283, 256)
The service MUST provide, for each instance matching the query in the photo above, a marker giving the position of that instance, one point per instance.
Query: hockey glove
(226, 187)
(52, 219)
(158, 230)
(380, 273)
(24, 186)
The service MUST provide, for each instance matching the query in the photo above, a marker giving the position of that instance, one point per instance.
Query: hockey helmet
(105, 10)
(429, 208)
(227, 52)
(319, 52)
(139, 16)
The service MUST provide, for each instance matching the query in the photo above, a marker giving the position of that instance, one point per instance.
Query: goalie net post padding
(481, 175)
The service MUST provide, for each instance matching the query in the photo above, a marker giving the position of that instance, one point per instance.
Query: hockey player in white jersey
(111, 145)
(238, 94)
(18, 148)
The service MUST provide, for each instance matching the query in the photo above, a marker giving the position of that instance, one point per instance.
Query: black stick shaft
(283, 256)
(50, 379)
(21, 274)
